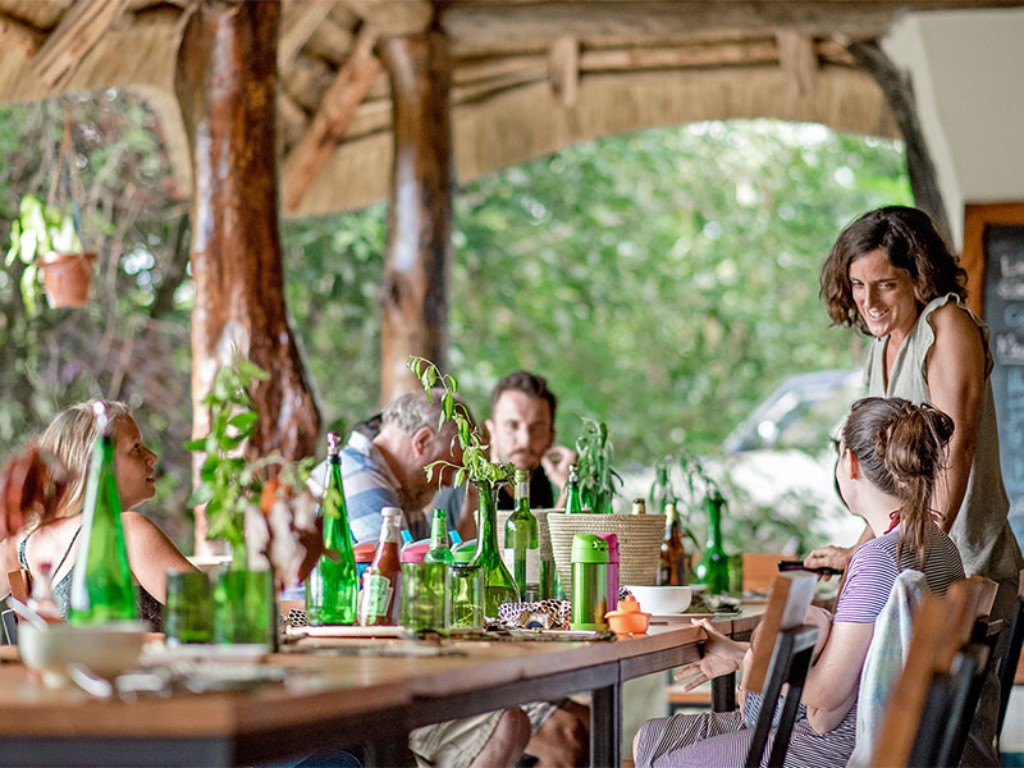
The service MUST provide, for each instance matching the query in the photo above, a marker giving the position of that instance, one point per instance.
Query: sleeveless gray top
(981, 531)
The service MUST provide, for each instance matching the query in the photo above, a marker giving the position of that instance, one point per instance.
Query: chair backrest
(935, 683)
(782, 655)
(1007, 670)
(10, 624)
(760, 570)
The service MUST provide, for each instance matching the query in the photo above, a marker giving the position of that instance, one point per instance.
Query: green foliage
(226, 481)
(477, 467)
(594, 462)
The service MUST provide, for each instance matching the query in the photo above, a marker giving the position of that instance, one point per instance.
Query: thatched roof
(528, 77)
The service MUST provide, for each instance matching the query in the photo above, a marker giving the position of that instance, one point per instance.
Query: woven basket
(639, 544)
(543, 537)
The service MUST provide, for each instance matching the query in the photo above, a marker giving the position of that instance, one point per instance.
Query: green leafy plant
(226, 480)
(594, 464)
(696, 484)
(477, 467)
(39, 232)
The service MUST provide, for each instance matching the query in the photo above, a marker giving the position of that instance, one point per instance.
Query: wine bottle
(573, 504)
(713, 568)
(672, 568)
(333, 587)
(522, 548)
(102, 589)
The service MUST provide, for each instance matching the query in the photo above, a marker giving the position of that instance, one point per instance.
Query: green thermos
(589, 581)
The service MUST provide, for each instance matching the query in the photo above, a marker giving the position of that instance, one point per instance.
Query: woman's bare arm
(956, 383)
(832, 682)
(151, 554)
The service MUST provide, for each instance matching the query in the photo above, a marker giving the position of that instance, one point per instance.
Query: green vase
(499, 586)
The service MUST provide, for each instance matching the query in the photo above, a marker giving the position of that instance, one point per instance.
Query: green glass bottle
(522, 543)
(332, 587)
(713, 568)
(101, 587)
(499, 586)
(573, 504)
(439, 551)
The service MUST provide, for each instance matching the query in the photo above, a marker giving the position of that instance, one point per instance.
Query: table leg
(606, 726)
(723, 693)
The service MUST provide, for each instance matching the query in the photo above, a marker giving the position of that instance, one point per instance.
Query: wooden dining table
(339, 693)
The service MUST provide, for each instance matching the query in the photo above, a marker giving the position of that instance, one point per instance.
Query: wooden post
(226, 82)
(414, 296)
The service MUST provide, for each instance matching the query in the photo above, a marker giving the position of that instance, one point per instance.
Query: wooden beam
(798, 60)
(15, 32)
(298, 22)
(564, 70)
(395, 17)
(225, 80)
(414, 296)
(328, 126)
(898, 91)
(83, 24)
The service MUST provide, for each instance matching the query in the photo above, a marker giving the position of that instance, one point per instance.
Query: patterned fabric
(544, 614)
(873, 571)
(369, 485)
(980, 530)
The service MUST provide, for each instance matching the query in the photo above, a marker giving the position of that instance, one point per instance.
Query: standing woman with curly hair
(891, 275)
(52, 536)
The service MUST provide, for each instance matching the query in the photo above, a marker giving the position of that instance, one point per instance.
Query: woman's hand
(722, 656)
(836, 558)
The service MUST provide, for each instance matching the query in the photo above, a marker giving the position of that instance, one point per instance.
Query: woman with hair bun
(890, 454)
(891, 275)
(51, 535)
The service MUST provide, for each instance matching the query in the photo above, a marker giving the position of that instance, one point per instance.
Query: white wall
(967, 69)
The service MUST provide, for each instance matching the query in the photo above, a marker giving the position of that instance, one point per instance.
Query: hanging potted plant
(46, 237)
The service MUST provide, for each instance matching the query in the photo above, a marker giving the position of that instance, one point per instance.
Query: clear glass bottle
(333, 587)
(522, 543)
(573, 504)
(499, 586)
(380, 580)
(102, 589)
(439, 551)
(713, 568)
(639, 506)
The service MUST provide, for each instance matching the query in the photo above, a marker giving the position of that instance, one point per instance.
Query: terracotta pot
(66, 279)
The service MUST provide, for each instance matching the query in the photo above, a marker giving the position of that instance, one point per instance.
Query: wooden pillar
(226, 82)
(414, 297)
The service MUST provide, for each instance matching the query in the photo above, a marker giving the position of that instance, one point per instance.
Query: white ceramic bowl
(108, 650)
(662, 600)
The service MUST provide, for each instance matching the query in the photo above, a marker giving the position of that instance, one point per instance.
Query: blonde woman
(53, 536)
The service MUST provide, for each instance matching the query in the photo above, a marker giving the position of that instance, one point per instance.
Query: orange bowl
(627, 619)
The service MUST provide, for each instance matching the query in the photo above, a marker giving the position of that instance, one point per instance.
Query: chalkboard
(1004, 312)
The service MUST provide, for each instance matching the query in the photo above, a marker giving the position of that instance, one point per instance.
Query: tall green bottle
(573, 504)
(713, 568)
(332, 587)
(439, 551)
(499, 586)
(522, 543)
(101, 587)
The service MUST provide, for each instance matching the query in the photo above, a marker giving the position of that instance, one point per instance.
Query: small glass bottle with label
(380, 581)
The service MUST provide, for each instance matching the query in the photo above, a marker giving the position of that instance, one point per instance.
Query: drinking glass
(188, 614)
(424, 596)
(466, 597)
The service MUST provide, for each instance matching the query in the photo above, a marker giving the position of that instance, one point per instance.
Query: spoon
(27, 613)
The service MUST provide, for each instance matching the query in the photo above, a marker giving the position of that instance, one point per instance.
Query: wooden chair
(1008, 664)
(786, 660)
(943, 669)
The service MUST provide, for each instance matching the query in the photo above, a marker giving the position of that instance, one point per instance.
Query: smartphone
(798, 565)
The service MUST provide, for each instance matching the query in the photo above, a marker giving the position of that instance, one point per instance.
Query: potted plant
(260, 507)
(477, 468)
(47, 242)
(596, 475)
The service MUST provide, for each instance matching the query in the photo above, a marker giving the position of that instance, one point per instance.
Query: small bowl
(107, 650)
(662, 600)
